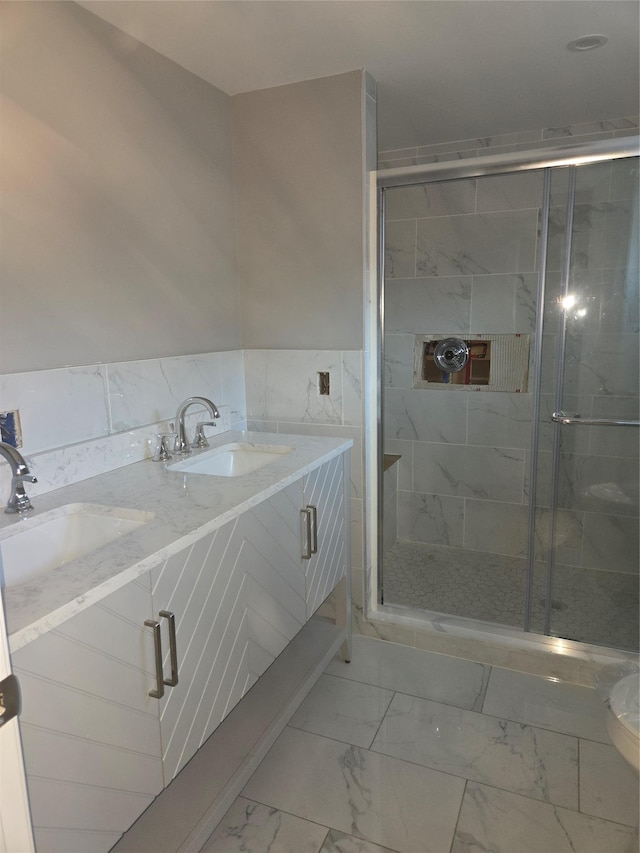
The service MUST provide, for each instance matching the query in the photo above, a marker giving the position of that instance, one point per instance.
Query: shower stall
(508, 391)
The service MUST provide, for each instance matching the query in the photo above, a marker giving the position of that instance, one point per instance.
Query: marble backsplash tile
(58, 407)
(88, 421)
(143, 392)
(352, 385)
(83, 421)
(282, 385)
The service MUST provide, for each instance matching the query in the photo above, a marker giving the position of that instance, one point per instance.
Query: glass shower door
(585, 583)
(460, 278)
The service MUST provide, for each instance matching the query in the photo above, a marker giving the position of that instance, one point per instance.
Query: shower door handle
(567, 420)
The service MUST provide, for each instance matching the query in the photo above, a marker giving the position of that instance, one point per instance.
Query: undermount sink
(231, 460)
(38, 544)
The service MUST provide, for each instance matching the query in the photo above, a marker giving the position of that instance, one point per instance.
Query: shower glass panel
(462, 267)
(585, 583)
(461, 263)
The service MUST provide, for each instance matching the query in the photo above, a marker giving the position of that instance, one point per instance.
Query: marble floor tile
(381, 799)
(537, 701)
(501, 822)
(253, 828)
(509, 755)
(416, 672)
(337, 842)
(343, 710)
(608, 785)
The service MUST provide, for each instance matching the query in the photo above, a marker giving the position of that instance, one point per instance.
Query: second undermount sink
(37, 544)
(231, 460)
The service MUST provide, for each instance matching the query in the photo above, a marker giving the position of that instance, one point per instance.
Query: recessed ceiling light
(587, 43)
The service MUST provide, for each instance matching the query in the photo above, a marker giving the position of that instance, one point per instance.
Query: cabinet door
(90, 731)
(324, 490)
(238, 598)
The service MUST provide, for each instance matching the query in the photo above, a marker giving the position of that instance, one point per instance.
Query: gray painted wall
(298, 156)
(117, 220)
(118, 223)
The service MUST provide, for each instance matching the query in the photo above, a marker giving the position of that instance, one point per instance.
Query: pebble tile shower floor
(409, 751)
(587, 605)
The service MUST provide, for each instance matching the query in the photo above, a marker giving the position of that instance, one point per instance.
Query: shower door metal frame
(546, 160)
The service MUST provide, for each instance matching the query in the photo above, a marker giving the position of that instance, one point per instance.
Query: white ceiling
(446, 69)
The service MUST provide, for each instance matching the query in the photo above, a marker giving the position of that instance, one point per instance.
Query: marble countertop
(185, 506)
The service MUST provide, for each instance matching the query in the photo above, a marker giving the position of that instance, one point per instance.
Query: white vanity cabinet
(325, 518)
(238, 598)
(119, 697)
(90, 731)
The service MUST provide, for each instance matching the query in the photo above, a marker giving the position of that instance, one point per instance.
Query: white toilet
(623, 718)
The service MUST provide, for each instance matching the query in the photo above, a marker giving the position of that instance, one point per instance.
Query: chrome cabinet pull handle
(173, 649)
(314, 528)
(306, 533)
(158, 693)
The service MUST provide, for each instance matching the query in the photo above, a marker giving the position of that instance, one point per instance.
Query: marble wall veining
(461, 257)
(82, 421)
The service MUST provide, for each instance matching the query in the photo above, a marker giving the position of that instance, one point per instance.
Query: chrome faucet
(182, 445)
(18, 499)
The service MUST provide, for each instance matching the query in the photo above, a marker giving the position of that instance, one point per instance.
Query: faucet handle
(165, 445)
(19, 501)
(200, 439)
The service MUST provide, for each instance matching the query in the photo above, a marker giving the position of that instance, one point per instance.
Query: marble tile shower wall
(78, 422)
(462, 258)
